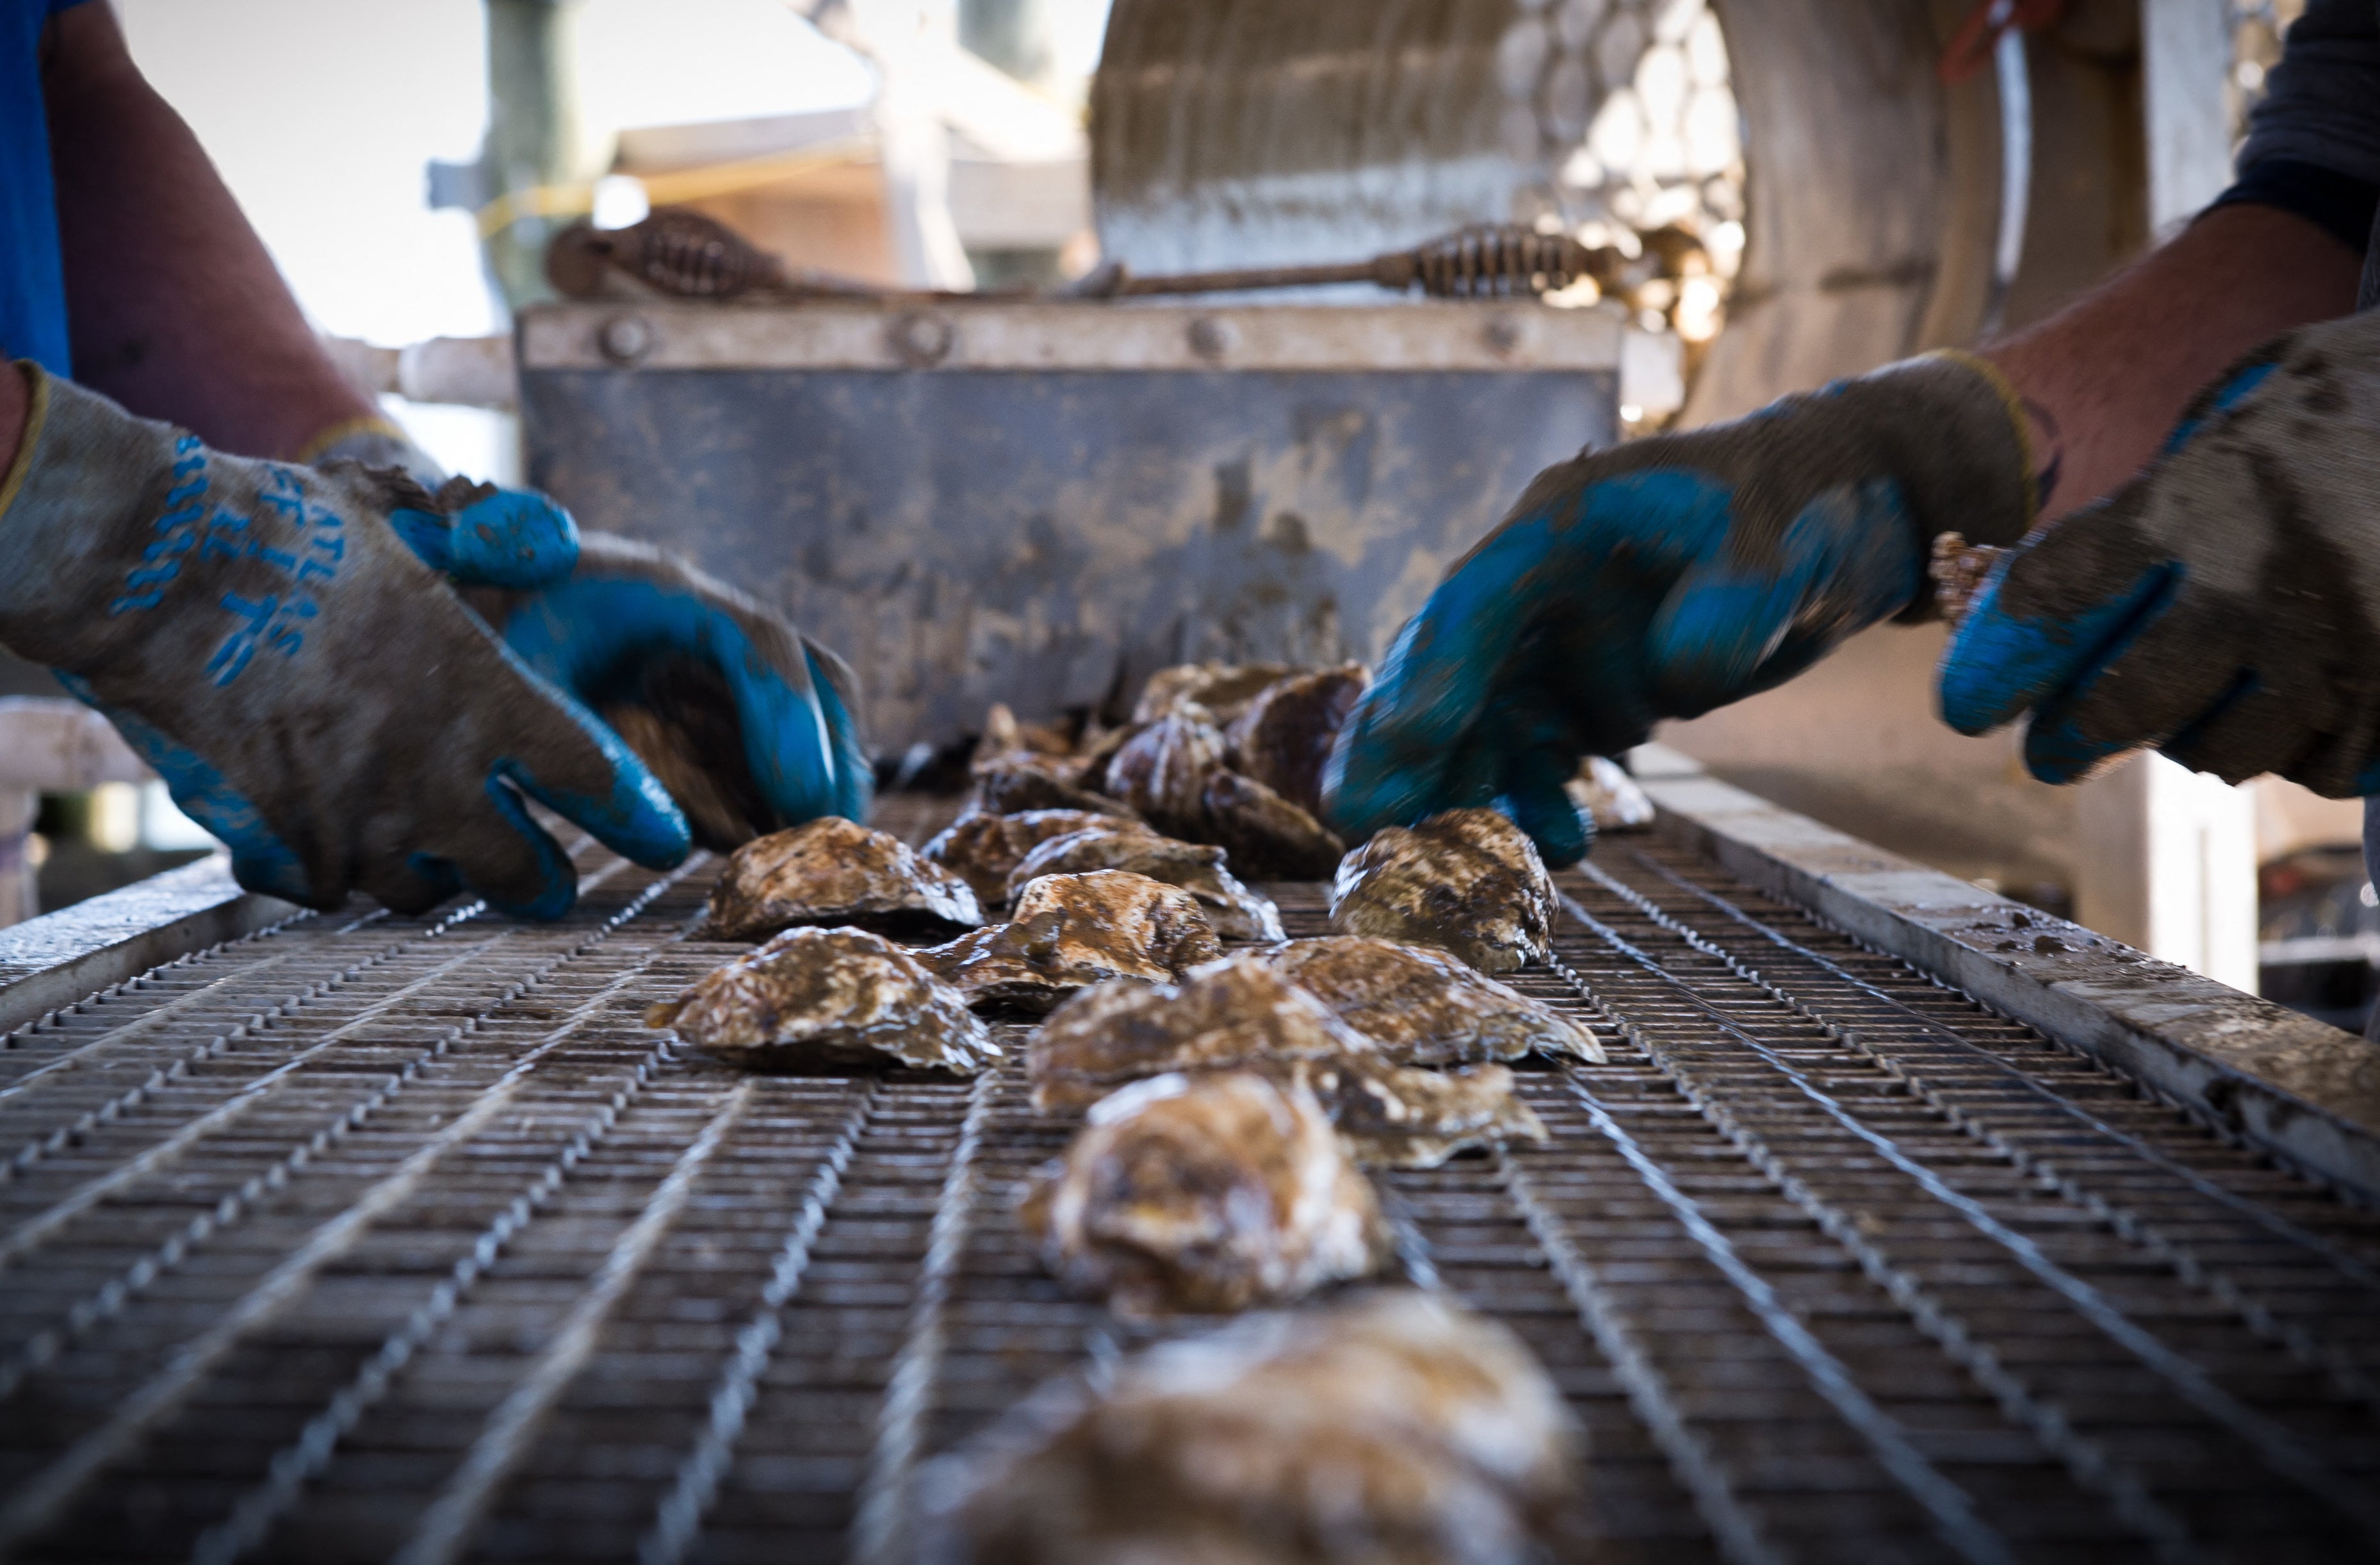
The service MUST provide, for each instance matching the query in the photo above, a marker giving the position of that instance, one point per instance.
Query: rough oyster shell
(1283, 738)
(1395, 1429)
(1237, 913)
(983, 849)
(1401, 1117)
(1019, 783)
(1219, 691)
(1232, 1013)
(1423, 1007)
(833, 871)
(1467, 881)
(1162, 771)
(1613, 800)
(825, 1002)
(1071, 932)
(1266, 835)
(1206, 1194)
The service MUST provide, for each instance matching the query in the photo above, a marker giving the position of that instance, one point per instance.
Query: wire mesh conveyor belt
(368, 1237)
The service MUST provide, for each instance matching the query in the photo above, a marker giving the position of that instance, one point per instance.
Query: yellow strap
(37, 412)
(2018, 420)
(370, 424)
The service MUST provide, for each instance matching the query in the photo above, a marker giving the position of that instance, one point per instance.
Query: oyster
(1398, 1429)
(1237, 913)
(1232, 1013)
(833, 871)
(1162, 771)
(982, 849)
(1019, 783)
(1283, 738)
(1205, 1193)
(823, 1001)
(1071, 931)
(1267, 835)
(1219, 691)
(1003, 736)
(1401, 1117)
(1613, 800)
(1467, 881)
(1422, 1007)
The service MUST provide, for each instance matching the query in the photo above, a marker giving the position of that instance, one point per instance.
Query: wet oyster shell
(983, 849)
(828, 1003)
(1284, 739)
(1266, 835)
(1423, 1007)
(1020, 782)
(833, 871)
(1071, 931)
(1237, 913)
(1162, 771)
(1400, 1116)
(1467, 881)
(1219, 691)
(1237, 1012)
(1613, 800)
(1205, 1193)
(1396, 1429)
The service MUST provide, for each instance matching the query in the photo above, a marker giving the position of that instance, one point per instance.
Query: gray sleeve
(2324, 103)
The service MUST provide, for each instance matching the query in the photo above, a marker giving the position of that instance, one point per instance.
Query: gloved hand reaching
(312, 693)
(750, 726)
(1669, 577)
(2223, 606)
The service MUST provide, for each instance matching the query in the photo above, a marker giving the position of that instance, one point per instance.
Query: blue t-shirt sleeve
(32, 282)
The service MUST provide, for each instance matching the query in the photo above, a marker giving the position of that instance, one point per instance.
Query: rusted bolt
(922, 339)
(625, 338)
(1211, 338)
(1501, 335)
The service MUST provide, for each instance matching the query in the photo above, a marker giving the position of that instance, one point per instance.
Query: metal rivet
(1501, 335)
(923, 339)
(1210, 337)
(625, 338)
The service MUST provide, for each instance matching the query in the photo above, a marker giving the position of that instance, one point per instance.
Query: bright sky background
(322, 114)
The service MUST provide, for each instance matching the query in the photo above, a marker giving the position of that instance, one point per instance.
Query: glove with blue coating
(752, 726)
(2223, 607)
(1672, 576)
(313, 693)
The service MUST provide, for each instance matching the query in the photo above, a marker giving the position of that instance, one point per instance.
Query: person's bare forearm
(2108, 376)
(175, 310)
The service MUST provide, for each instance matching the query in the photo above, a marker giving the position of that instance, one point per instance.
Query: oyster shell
(1613, 800)
(825, 1002)
(1019, 783)
(1237, 913)
(833, 871)
(1423, 1007)
(1205, 1193)
(1162, 771)
(1401, 1117)
(1396, 1429)
(1467, 881)
(1219, 691)
(1232, 1013)
(1071, 932)
(1266, 836)
(982, 849)
(1283, 738)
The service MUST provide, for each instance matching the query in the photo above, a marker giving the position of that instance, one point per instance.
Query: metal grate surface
(369, 1237)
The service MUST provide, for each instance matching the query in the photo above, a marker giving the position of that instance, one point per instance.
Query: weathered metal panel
(1049, 537)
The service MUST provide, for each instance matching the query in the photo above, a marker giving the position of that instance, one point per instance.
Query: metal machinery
(1908, 1223)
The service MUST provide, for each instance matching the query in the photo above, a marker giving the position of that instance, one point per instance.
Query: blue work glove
(312, 693)
(751, 726)
(1668, 576)
(2224, 607)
